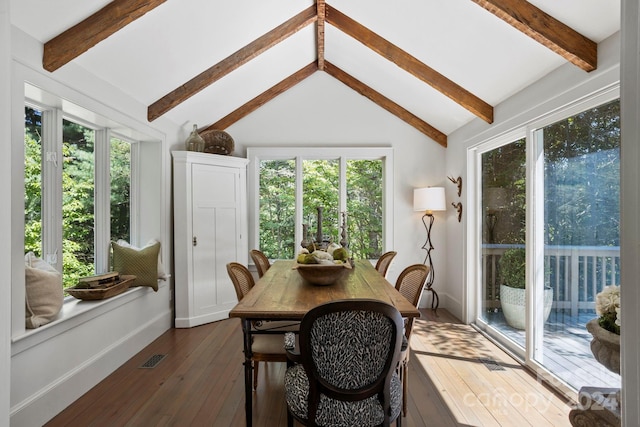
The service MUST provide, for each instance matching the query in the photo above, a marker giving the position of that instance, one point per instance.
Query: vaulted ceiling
(434, 64)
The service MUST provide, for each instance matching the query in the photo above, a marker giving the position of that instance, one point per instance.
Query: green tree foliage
(78, 194)
(33, 182)
(33, 196)
(277, 208)
(77, 203)
(581, 181)
(582, 178)
(120, 190)
(364, 208)
(321, 188)
(505, 167)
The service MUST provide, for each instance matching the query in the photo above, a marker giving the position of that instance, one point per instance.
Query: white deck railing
(576, 273)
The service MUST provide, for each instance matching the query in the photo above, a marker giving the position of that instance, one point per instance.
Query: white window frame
(52, 187)
(299, 154)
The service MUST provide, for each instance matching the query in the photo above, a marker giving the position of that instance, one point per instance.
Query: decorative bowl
(321, 274)
(103, 292)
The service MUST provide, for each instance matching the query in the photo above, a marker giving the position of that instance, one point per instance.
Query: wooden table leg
(248, 395)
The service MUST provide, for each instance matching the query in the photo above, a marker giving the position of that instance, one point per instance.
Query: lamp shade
(429, 199)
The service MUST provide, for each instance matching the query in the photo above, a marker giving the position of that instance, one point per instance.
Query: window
(344, 185)
(120, 173)
(78, 221)
(33, 181)
(64, 212)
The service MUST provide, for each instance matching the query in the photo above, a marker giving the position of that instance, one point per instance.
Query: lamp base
(435, 301)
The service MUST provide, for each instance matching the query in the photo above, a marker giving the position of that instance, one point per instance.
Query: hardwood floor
(456, 378)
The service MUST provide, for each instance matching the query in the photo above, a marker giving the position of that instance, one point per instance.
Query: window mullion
(52, 187)
(134, 194)
(102, 204)
(299, 209)
(342, 198)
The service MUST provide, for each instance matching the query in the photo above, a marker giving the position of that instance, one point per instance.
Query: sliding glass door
(548, 239)
(577, 227)
(503, 248)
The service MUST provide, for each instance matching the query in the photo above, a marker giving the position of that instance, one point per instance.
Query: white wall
(5, 211)
(321, 111)
(53, 365)
(560, 87)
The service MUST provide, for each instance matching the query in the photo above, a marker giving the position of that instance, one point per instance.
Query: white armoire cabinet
(210, 230)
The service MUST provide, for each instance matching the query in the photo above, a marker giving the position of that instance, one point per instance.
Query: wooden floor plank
(201, 382)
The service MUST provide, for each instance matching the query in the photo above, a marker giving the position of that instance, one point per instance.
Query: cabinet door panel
(216, 231)
(215, 185)
(226, 244)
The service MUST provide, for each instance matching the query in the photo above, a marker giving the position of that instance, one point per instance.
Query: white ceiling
(176, 41)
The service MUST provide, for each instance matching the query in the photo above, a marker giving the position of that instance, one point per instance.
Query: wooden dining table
(282, 294)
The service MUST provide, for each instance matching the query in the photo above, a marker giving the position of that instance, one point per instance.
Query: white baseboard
(48, 402)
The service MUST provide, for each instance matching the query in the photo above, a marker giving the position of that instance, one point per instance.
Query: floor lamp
(429, 199)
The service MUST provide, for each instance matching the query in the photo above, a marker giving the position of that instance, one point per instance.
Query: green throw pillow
(142, 263)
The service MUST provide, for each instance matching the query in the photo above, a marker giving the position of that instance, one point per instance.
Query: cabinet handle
(195, 241)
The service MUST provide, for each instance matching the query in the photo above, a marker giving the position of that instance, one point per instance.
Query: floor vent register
(153, 361)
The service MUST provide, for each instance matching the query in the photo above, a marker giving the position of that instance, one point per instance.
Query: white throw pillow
(43, 291)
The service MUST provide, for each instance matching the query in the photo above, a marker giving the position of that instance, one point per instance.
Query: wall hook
(458, 207)
(458, 182)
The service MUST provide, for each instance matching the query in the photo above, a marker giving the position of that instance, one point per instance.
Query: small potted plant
(512, 288)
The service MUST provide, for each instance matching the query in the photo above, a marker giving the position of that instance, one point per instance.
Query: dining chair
(261, 261)
(410, 283)
(384, 262)
(344, 371)
(264, 347)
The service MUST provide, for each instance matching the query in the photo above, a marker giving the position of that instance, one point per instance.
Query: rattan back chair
(410, 284)
(261, 261)
(264, 347)
(384, 262)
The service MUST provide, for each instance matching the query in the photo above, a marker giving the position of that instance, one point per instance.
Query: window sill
(76, 312)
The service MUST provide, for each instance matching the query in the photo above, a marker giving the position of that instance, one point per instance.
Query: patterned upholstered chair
(265, 347)
(345, 371)
(384, 262)
(410, 283)
(261, 261)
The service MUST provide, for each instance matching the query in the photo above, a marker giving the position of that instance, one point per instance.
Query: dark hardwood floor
(456, 378)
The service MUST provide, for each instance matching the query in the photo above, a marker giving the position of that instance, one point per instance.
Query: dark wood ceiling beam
(546, 30)
(386, 103)
(320, 6)
(263, 98)
(409, 63)
(231, 63)
(83, 36)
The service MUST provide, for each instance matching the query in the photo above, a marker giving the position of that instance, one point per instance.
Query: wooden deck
(567, 351)
(456, 378)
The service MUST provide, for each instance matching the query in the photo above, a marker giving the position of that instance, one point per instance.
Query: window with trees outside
(347, 186)
(77, 192)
